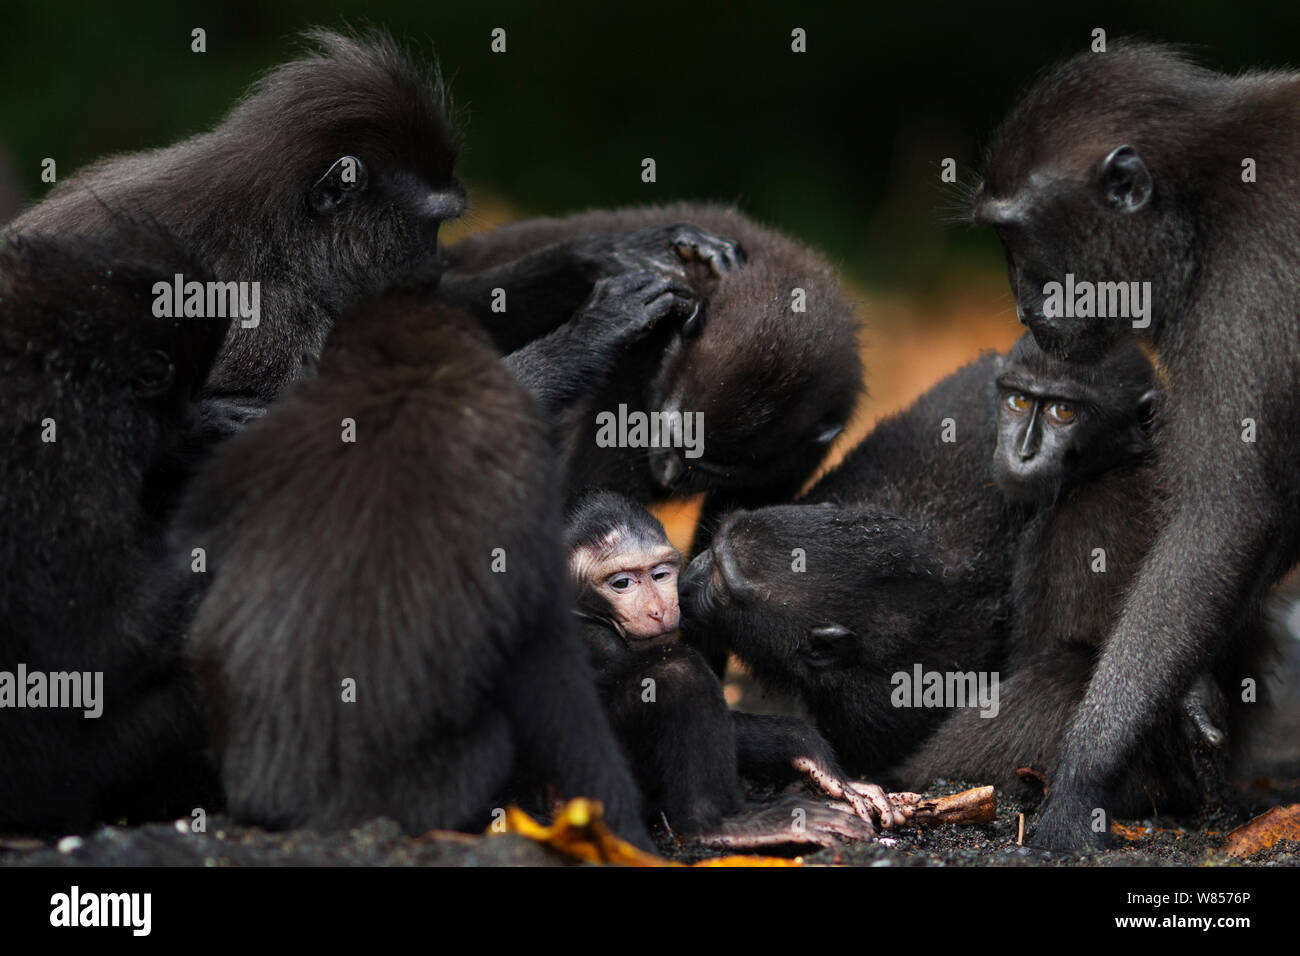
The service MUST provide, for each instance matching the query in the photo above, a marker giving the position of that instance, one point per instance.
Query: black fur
(774, 386)
(253, 198)
(374, 561)
(1095, 489)
(906, 546)
(692, 756)
(1127, 166)
(83, 537)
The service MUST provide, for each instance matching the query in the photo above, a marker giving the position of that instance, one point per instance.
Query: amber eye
(1018, 403)
(1062, 413)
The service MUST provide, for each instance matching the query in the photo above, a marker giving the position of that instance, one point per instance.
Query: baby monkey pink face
(640, 583)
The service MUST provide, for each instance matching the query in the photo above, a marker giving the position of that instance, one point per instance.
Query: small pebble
(69, 843)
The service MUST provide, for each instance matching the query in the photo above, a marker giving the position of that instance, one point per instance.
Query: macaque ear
(1125, 180)
(341, 183)
(828, 644)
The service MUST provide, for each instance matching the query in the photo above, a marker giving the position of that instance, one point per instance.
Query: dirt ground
(381, 843)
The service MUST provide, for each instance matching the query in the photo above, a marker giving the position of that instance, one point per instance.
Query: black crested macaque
(688, 751)
(769, 360)
(1076, 443)
(379, 633)
(96, 392)
(1127, 181)
(894, 566)
(326, 184)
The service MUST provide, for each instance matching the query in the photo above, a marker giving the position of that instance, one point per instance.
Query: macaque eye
(1018, 403)
(1061, 413)
(621, 582)
(662, 574)
(153, 373)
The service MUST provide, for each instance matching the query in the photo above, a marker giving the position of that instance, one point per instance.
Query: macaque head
(623, 567)
(1059, 424)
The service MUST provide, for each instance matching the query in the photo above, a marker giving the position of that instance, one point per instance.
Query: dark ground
(1271, 777)
(381, 843)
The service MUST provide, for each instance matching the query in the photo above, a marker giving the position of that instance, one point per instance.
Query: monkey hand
(628, 306)
(868, 801)
(668, 249)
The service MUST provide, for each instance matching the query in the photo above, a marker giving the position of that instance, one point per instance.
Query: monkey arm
(572, 361)
(1170, 624)
(544, 287)
(781, 750)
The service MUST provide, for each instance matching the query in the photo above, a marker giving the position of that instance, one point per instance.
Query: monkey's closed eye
(341, 182)
(152, 374)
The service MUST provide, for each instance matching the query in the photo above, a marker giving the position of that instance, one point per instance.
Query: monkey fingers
(720, 255)
(1200, 700)
(668, 248)
(633, 303)
(867, 800)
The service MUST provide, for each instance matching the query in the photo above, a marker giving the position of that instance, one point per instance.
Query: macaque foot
(789, 821)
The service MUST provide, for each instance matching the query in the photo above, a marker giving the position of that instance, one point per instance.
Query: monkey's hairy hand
(628, 306)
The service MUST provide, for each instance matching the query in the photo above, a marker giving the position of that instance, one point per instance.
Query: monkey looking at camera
(1076, 445)
(689, 752)
(1124, 171)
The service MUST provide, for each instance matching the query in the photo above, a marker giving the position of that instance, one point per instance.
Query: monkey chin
(645, 642)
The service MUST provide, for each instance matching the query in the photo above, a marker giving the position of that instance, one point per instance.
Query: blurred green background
(840, 145)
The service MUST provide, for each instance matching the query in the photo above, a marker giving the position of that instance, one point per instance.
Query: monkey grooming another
(898, 559)
(768, 364)
(1133, 171)
(378, 632)
(687, 750)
